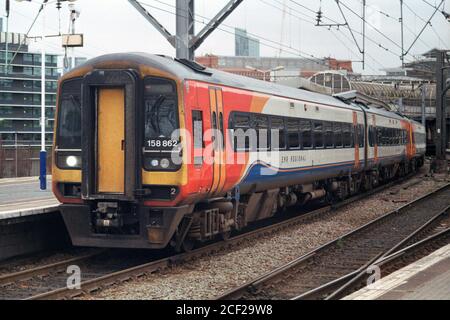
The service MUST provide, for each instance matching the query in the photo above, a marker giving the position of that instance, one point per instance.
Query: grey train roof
(182, 71)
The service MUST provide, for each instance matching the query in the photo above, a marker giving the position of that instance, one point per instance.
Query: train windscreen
(69, 115)
(161, 111)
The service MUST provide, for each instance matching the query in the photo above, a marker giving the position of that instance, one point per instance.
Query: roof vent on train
(194, 66)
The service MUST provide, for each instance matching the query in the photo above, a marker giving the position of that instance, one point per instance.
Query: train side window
(329, 137)
(214, 120)
(361, 135)
(197, 128)
(305, 128)
(261, 125)
(347, 131)
(318, 134)
(338, 136)
(197, 133)
(277, 127)
(214, 127)
(370, 137)
(380, 137)
(387, 139)
(242, 135)
(222, 130)
(293, 134)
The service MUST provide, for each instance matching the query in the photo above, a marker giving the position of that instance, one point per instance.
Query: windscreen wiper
(156, 106)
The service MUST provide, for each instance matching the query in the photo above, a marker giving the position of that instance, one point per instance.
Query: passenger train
(151, 151)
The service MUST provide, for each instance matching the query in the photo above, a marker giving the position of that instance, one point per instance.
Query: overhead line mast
(402, 34)
(186, 41)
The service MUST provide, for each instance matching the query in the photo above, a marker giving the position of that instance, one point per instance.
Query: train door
(218, 137)
(110, 166)
(110, 140)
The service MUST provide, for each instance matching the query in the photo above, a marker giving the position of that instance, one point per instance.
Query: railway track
(396, 261)
(49, 282)
(332, 269)
(33, 282)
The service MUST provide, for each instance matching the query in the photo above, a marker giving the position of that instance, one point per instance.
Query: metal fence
(21, 161)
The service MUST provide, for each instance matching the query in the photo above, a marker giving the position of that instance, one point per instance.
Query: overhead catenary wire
(26, 34)
(394, 19)
(375, 42)
(369, 24)
(424, 27)
(264, 41)
(425, 21)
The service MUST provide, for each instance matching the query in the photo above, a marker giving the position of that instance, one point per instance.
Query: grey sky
(115, 26)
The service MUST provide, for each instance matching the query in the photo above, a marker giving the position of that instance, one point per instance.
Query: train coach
(151, 151)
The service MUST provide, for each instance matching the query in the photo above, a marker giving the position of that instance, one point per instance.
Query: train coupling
(108, 216)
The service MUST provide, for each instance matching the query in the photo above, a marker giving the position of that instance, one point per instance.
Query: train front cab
(113, 170)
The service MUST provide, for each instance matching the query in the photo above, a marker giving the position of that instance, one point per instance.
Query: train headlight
(71, 161)
(165, 163)
(68, 160)
(154, 163)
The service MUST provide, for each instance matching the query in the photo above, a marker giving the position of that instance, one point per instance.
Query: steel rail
(123, 275)
(350, 279)
(107, 280)
(10, 278)
(253, 285)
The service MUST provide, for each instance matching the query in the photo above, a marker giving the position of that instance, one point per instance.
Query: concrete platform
(426, 279)
(21, 197)
(29, 218)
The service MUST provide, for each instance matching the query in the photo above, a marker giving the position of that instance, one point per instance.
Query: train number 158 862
(161, 143)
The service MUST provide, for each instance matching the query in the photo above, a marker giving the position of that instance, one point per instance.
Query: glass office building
(245, 46)
(20, 92)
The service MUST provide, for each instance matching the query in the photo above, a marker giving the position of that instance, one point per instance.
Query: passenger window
(277, 127)
(261, 125)
(361, 135)
(318, 134)
(338, 136)
(305, 129)
(347, 130)
(293, 134)
(242, 136)
(329, 139)
(380, 137)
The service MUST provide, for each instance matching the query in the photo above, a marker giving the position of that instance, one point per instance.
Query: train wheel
(226, 235)
(187, 245)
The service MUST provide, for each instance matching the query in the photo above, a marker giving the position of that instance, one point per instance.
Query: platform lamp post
(43, 152)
